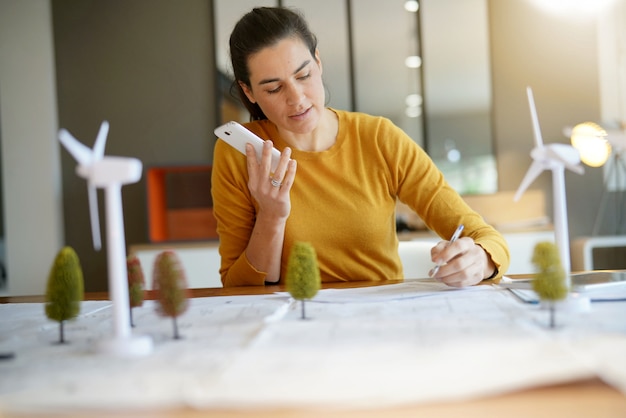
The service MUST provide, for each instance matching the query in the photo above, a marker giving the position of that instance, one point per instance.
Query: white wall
(30, 151)
(612, 67)
(612, 62)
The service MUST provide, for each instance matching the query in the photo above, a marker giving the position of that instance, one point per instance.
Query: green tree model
(65, 289)
(170, 285)
(549, 281)
(303, 274)
(136, 284)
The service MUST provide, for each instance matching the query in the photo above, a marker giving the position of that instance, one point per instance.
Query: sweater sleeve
(235, 212)
(422, 186)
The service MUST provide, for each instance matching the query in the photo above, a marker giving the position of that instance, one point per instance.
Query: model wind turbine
(555, 157)
(110, 173)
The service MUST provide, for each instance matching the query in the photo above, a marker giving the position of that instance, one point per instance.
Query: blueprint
(417, 341)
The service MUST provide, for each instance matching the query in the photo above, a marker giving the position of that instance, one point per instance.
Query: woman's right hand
(271, 190)
(264, 250)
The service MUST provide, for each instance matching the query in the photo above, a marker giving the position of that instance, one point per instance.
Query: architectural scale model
(110, 173)
(555, 157)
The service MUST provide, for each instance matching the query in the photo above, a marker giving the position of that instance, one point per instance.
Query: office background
(148, 67)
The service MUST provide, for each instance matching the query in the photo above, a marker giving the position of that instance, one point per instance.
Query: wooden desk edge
(206, 292)
(220, 291)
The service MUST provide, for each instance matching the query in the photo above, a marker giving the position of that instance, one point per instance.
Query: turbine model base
(574, 302)
(135, 346)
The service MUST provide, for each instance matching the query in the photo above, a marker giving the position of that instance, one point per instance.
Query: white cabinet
(201, 262)
(521, 246)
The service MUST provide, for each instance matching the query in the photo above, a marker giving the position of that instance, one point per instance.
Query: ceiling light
(574, 7)
(413, 61)
(411, 6)
(413, 112)
(413, 100)
(591, 142)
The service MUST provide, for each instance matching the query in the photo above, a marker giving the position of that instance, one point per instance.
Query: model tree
(170, 286)
(303, 273)
(549, 281)
(65, 289)
(136, 284)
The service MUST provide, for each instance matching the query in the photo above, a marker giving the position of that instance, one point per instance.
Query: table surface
(577, 399)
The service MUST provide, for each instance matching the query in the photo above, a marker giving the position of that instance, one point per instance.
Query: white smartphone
(237, 136)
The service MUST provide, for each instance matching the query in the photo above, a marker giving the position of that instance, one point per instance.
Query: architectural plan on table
(417, 341)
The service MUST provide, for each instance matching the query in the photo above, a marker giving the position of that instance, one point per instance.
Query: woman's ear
(318, 60)
(247, 91)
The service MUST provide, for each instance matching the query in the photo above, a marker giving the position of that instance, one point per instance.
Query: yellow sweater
(343, 202)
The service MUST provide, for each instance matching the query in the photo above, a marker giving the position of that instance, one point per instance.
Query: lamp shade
(590, 139)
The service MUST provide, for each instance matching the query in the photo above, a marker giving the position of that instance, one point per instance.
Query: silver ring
(275, 182)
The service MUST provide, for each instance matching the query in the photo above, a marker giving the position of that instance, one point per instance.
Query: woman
(338, 179)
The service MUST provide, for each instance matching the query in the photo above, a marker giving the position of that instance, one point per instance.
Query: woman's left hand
(462, 263)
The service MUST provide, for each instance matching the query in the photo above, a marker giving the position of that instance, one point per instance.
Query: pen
(455, 236)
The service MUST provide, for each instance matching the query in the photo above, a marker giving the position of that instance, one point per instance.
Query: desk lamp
(110, 173)
(554, 157)
(596, 145)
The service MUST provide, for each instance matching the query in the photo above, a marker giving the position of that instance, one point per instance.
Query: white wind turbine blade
(85, 158)
(534, 118)
(533, 172)
(92, 194)
(101, 139)
(81, 153)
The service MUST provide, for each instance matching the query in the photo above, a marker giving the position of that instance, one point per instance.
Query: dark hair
(260, 28)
